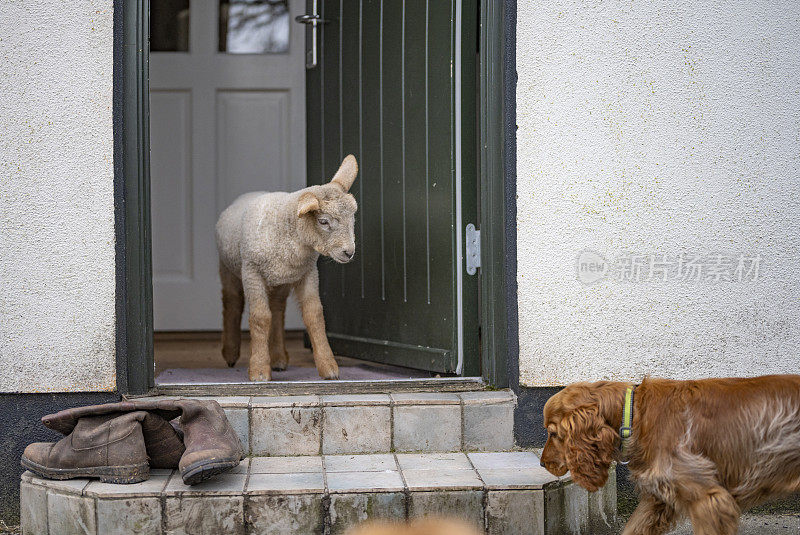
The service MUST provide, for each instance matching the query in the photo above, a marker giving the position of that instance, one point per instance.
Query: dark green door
(394, 84)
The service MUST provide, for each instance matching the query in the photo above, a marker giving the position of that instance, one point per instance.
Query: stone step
(502, 493)
(372, 423)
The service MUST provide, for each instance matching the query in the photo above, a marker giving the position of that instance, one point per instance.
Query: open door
(394, 84)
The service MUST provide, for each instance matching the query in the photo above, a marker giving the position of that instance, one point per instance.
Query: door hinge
(473, 249)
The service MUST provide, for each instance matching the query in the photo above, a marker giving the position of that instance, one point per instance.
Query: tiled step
(372, 423)
(503, 493)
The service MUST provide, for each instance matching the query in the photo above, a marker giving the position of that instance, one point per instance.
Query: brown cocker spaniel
(704, 449)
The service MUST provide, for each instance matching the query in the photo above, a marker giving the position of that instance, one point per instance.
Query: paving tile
(488, 427)
(603, 507)
(442, 479)
(464, 504)
(516, 478)
(376, 462)
(284, 401)
(308, 483)
(353, 400)
(359, 429)
(505, 459)
(129, 516)
(191, 515)
(433, 461)
(161, 472)
(286, 465)
(70, 514)
(150, 487)
(566, 508)
(427, 428)
(364, 481)
(515, 512)
(487, 397)
(32, 509)
(242, 468)
(285, 514)
(228, 401)
(286, 430)
(240, 421)
(347, 510)
(72, 486)
(425, 398)
(223, 484)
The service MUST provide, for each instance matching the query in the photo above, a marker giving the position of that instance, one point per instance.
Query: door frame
(497, 177)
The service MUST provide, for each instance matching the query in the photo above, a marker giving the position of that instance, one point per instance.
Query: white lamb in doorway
(268, 245)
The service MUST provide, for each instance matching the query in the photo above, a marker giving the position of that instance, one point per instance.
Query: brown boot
(110, 447)
(163, 442)
(212, 445)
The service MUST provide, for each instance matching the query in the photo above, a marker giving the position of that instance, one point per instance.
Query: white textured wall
(657, 127)
(56, 196)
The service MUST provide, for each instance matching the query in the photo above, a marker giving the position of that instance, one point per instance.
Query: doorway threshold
(284, 388)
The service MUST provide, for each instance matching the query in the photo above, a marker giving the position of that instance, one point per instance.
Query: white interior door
(227, 116)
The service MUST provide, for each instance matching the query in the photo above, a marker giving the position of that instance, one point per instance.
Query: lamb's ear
(307, 202)
(347, 172)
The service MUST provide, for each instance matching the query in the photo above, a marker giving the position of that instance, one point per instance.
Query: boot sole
(125, 474)
(204, 470)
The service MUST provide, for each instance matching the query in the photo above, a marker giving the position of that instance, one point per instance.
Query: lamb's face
(333, 225)
(327, 217)
(327, 214)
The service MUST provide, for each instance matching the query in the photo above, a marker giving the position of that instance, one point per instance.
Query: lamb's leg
(255, 291)
(307, 291)
(277, 348)
(232, 307)
(651, 517)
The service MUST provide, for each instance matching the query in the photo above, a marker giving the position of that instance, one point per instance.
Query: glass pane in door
(169, 25)
(254, 26)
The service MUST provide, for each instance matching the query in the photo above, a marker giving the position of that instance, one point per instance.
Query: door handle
(310, 19)
(312, 22)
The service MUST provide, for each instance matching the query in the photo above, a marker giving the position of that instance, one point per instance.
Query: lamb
(268, 245)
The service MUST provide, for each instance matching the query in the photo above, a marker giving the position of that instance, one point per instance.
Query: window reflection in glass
(169, 25)
(254, 26)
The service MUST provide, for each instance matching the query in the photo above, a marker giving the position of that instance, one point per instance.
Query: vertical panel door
(395, 85)
(227, 116)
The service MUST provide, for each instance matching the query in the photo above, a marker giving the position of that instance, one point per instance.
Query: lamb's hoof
(259, 377)
(279, 367)
(331, 376)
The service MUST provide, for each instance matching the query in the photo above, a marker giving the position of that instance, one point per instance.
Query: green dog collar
(626, 430)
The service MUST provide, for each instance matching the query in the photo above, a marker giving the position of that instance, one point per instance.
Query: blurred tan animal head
(424, 526)
(327, 214)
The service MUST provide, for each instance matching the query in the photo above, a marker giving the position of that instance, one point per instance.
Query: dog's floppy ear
(307, 202)
(347, 172)
(588, 446)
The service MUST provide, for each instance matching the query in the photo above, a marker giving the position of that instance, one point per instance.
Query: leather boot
(109, 447)
(163, 442)
(211, 444)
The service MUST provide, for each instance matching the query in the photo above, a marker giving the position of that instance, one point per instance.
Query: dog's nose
(541, 463)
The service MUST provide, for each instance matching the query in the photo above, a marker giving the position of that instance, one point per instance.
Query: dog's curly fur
(705, 449)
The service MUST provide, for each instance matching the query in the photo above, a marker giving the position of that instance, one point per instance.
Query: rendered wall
(57, 267)
(651, 129)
